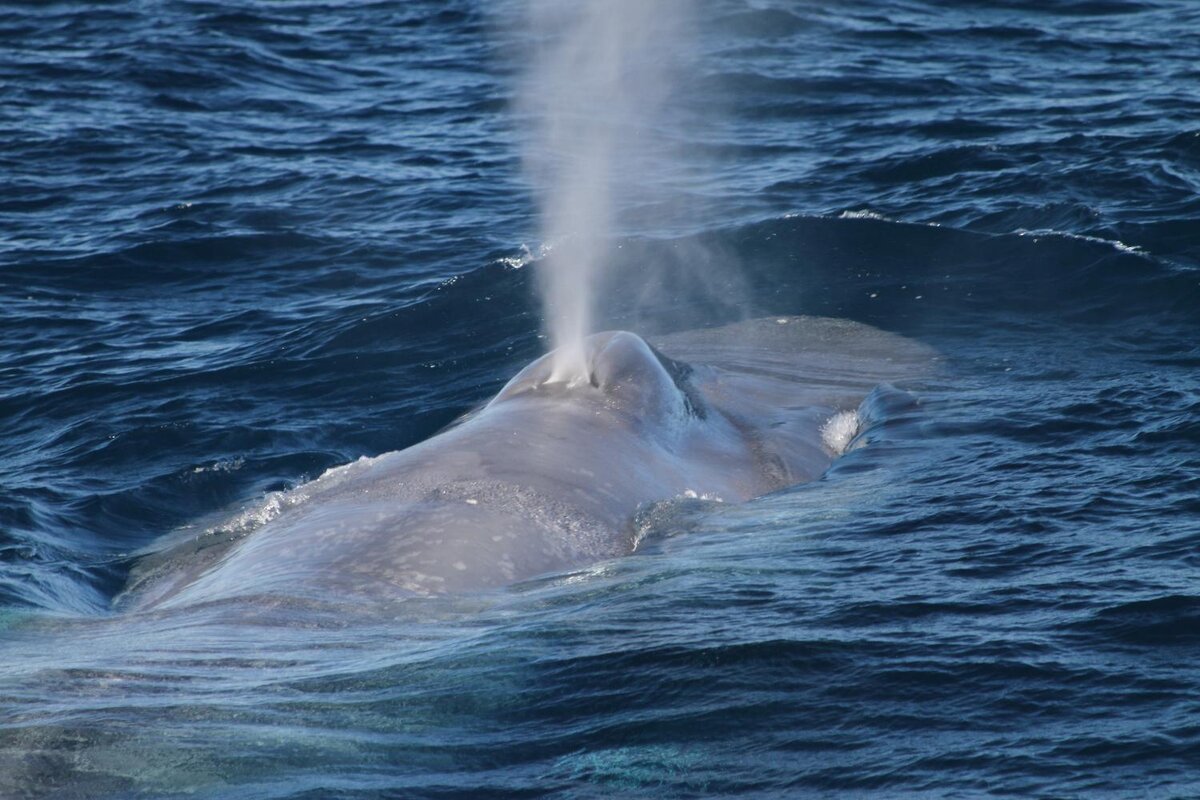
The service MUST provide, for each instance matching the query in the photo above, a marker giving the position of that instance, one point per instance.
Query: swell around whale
(548, 475)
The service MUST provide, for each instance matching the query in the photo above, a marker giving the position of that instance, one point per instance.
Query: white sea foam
(229, 465)
(525, 257)
(273, 504)
(840, 430)
(258, 515)
(1113, 243)
(864, 213)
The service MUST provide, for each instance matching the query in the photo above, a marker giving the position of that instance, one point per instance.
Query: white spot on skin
(460, 566)
(471, 501)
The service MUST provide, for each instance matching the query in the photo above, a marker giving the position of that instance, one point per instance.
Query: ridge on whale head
(550, 473)
(623, 372)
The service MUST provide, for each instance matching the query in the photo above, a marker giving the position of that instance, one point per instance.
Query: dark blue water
(242, 243)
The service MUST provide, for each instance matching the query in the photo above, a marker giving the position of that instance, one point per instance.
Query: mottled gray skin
(548, 476)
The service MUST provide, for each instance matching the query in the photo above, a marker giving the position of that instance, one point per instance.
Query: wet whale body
(549, 475)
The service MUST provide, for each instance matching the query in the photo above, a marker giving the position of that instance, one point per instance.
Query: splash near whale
(549, 474)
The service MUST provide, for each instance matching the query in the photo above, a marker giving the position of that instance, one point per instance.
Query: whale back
(819, 360)
(783, 381)
(549, 474)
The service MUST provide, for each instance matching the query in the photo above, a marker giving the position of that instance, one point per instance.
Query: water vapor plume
(597, 78)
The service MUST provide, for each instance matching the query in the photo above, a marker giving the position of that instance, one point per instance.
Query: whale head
(623, 374)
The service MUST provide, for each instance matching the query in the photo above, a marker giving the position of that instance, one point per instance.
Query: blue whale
(549, 475)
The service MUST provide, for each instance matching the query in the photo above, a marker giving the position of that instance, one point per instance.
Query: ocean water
(242, 243)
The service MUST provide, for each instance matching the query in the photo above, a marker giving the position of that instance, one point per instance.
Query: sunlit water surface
(244, 243)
